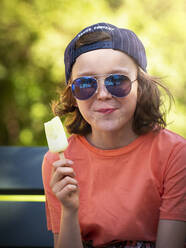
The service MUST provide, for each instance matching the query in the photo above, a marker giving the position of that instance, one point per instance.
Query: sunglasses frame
(97, 78)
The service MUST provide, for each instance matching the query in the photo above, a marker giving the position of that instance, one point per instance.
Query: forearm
(69, 236)
(171, 233)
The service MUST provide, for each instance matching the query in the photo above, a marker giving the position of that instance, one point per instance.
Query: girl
(122, 182)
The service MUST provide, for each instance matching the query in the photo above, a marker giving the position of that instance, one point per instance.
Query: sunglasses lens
(84, 87)
(118, 85)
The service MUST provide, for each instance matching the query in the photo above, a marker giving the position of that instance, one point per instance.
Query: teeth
(55, 134)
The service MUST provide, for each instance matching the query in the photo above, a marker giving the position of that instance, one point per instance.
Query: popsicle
(56, 137)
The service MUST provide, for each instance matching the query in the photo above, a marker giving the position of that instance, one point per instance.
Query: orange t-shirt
(123, 192)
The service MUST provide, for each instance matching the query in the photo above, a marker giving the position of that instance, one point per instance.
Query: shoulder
(75, 146)
(171, 145)
(163, 144)
(166, 140)
(169, 136)
(171, 152)
(73, 141)
(166, 152)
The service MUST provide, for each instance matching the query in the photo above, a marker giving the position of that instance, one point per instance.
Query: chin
(114, 125)
(108, 127)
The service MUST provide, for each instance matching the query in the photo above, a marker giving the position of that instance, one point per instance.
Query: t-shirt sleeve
(173, 205)
(52, 204)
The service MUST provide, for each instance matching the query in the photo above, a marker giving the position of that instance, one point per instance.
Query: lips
(106, 110)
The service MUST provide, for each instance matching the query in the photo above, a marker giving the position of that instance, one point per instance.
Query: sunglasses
(117, 85)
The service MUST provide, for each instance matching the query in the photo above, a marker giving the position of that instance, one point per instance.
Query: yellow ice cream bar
(55, 134)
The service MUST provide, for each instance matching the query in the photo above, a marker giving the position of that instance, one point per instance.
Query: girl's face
(103, 111)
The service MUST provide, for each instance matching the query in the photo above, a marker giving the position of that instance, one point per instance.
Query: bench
(22, 221)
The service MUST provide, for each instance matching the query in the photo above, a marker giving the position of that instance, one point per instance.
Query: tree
(34, 34)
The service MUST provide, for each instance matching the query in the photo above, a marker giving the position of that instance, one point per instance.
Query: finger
(61, 184)
(62, 163)
(67, 191)
(60, 173)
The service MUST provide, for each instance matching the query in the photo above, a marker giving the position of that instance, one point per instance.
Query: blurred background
(34, 34)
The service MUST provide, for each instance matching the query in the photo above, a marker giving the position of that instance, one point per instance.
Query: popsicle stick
(61, 155)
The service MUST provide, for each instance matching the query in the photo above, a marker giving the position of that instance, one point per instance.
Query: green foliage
(34, 34)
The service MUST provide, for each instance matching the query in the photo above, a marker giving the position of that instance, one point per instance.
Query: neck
(111, 140)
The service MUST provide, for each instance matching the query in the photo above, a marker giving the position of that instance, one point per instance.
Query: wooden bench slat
(21, 192)
(23, 224)
(20, 169)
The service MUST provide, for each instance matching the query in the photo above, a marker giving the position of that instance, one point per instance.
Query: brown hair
(149, 114)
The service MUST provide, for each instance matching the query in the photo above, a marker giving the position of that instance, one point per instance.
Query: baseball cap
(122, 39)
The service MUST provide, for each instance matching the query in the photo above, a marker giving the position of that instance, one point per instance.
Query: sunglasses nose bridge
(100, 81)
(102, 91)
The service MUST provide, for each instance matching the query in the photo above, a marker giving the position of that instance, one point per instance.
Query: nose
(102, 92)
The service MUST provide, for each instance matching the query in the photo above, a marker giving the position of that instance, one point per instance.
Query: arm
(69, 236)
(172, 224)
(65, 188)
(171, 234)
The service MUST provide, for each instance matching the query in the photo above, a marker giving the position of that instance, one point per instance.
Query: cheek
(84, 108)
(131, 100)
(128, 109)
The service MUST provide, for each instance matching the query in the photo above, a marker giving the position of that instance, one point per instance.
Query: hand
(64, 185)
